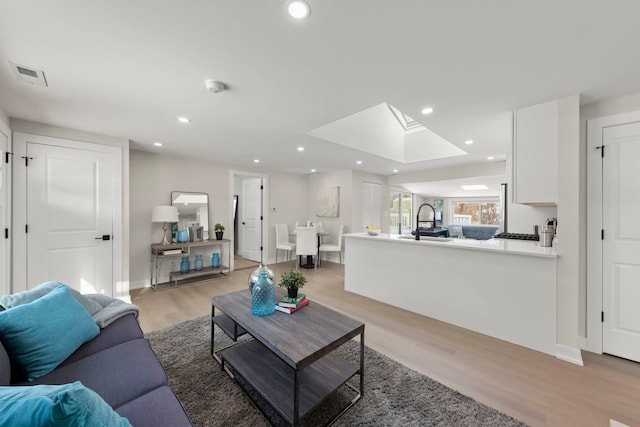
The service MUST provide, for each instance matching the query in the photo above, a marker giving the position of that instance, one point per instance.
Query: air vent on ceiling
(29, 75)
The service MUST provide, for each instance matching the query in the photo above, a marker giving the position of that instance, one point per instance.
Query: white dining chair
(282, 241)
(307, 243)
(334, 247)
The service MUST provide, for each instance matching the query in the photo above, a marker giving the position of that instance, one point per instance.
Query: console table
(290, 361)
(160, 252)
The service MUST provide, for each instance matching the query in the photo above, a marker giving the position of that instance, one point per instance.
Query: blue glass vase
(215, 260)
(263, 296)
(185, 265)
(199, 263)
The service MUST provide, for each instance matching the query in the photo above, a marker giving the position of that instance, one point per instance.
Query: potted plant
(219, 229)
(292, 280)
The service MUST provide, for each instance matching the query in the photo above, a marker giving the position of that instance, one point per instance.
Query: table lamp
(164, 214)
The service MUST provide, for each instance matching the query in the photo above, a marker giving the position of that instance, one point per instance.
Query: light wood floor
(531, 386)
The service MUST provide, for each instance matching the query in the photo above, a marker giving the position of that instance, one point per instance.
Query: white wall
(153, 178)
(288, 197)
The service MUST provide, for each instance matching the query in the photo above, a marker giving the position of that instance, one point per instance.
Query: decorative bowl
(373, 231)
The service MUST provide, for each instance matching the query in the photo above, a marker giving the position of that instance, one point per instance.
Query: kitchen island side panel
(507, 296)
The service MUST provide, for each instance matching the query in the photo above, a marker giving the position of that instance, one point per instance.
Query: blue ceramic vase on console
(263, 296)
(185, 265)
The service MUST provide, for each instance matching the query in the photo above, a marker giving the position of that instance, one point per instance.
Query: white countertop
(519, 247)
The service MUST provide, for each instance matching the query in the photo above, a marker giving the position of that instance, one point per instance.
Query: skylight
(405, 121)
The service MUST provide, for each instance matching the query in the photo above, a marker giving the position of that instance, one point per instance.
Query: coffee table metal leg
(296, 402)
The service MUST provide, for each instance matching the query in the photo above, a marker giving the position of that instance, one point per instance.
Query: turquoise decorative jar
(215, 260)
(182, 235)
(263, 296)
(185, 265)
(199, 265)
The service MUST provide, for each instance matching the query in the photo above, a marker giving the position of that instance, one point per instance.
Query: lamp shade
(164, 214)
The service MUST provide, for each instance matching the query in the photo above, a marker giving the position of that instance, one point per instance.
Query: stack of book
(291, 305)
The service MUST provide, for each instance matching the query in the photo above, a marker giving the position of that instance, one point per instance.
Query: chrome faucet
(418, 219)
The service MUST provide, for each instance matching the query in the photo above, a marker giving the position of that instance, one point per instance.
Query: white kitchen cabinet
(535, 155)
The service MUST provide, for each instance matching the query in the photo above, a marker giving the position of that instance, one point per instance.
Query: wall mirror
(193, 209)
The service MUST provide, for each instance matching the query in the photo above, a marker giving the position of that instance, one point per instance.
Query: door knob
(104, 237)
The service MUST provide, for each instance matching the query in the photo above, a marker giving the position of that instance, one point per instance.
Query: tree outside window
(476, 212)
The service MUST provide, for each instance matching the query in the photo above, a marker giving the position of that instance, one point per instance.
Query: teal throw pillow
(41, 334)
(56, 405)
(14, 300)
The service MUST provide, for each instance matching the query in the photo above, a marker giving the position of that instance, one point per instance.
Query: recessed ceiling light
(256, 160)
(313, 170)
(427, 110)
(158, 144)
(300, 148)
(183, 119)
(474, 187)
(490, 158)
(359, 162)
(298, 9)
(395, 171)
(469, 141)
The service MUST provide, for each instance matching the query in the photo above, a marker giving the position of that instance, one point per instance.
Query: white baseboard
(139, 284)
(582, 343)
(569, 354)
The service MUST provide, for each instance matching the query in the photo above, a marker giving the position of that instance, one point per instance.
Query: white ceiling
(130, 68)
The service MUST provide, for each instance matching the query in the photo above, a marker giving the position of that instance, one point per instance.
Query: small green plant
(292, 280)
(218, 227)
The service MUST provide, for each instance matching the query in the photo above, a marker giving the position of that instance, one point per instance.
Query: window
(485, 211)
(400, 213)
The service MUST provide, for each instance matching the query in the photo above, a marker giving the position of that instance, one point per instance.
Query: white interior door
(70, 203)
(251, 218)
(621, 244)
(5, 211)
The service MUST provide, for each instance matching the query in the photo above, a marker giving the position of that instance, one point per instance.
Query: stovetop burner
(518, 236)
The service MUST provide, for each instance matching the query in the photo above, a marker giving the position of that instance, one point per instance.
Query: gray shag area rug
(394, 395)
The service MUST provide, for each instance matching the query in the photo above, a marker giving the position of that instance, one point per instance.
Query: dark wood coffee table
(289, 361)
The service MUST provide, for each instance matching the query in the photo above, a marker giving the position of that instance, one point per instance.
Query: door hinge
(26, 160)
(6, 233)
(6, 156)
(602, 234)
(26, 228)
(602, 316)
(601, 148)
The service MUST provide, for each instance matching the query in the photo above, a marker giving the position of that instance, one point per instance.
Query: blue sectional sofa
(119, 365)
(476, 232)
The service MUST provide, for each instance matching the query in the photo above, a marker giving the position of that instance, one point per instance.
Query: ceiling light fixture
(427, 110)
(183, 119)
(469, 141)
(474, 187)
(490, 158)
(359, 162)
(300, 148)
(298, 9)
(256, 160)
(313, 170)
(158, 144)
(395, 171)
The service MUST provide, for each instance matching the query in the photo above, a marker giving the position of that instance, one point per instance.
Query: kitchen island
(502, 288)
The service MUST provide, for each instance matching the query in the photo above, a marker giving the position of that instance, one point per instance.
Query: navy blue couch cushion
(159, 407)
(122, 330)
(118, 374)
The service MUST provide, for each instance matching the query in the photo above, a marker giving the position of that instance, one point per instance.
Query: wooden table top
(299, 338)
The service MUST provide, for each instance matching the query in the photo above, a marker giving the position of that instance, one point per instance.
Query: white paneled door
(621, 244)
(5, 210)
(70, 203)
(252, 218)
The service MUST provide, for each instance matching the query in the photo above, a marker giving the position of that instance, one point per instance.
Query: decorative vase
(183, 236)
(219, 235)
(254, 276)
(263, 296)
(215, 260)
(198, 265)
(292, 293)
(185, 265)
